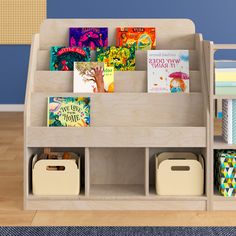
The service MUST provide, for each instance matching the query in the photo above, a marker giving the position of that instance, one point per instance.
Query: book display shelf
(128, 127)
(218, 202)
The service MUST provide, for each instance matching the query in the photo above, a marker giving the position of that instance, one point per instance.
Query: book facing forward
(93, 77)
(121, 58)
(88, 37)
(168, 71)
(143, 38)
(68, 111)
(63, 58)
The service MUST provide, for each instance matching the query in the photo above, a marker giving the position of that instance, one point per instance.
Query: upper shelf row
(43, 59)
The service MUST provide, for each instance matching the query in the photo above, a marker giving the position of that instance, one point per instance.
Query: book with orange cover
(143, 38)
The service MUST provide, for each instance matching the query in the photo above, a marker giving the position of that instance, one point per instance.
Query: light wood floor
(11, 191)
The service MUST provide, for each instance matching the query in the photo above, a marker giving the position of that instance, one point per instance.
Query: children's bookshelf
(127, 127)
(217, 201)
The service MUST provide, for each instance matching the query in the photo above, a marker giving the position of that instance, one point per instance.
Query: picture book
(68, 111)
(143, 38)
(121, 58)
(93, 77)
(88, 37)
(62, 58)
(168, 71)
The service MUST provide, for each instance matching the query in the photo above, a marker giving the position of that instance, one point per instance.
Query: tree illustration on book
(92, 72)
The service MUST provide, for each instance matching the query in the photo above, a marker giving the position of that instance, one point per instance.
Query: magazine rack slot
(125, 81)
(43, 60)
(131, 109)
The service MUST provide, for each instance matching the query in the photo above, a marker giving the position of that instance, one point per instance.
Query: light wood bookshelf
(218, 202)
(127, 127)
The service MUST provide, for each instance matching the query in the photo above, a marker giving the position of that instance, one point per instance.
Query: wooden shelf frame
(166, 122)
(217, 202)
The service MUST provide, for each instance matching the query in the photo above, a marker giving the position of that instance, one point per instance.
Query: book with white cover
(168, 71)
(227, 120)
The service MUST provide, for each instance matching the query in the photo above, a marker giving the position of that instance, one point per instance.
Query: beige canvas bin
(48, 180)
(179, 173)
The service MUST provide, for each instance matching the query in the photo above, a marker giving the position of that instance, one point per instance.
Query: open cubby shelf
(216, 142)
(127, 127)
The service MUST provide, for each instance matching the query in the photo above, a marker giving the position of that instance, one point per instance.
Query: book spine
(234, 121)
(225, 84)
(227, 121)
(225, 76)
(225, 64)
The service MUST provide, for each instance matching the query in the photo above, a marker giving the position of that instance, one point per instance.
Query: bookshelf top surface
(177, 33)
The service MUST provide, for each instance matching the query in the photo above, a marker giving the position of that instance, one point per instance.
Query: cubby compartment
(152, 169)
(117, 172)
(68, 172)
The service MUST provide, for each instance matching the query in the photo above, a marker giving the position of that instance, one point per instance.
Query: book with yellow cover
(227, 75)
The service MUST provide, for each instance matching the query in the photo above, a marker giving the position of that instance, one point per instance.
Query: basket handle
(55, 168)
(180, 168)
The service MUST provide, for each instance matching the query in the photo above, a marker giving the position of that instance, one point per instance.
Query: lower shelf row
(115, 172)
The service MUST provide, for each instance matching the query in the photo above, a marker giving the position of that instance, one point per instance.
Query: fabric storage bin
(56, 177)
(179, 173)
(225, 172)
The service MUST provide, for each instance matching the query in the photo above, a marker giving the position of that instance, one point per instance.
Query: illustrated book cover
(93, 77)
(121, 58)
(88, 37)
(68, 112)
(142, 38)
(63, 58)
(168, 71)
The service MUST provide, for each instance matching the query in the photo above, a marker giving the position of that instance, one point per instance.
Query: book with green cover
(68, 112)
(121, 58)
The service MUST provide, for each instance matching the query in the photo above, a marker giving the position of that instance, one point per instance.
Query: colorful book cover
(143, 38)
(93, 77)
(121, 58)
(225, 75)
(88, 37)
(69, 111)
(168, 71)
(63, 58)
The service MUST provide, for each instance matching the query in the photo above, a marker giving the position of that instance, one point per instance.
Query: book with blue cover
(225, 64)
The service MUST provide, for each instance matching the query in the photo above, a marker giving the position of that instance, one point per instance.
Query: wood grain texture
(125, 137)
(125, 81)
(130, 109)
(171, 33)
(118, 166)
(118, 205)
(134, 218)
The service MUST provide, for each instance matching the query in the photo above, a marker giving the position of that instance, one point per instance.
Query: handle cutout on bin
(55, 168)
(180, 168)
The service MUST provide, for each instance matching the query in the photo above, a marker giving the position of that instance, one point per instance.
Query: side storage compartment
(179, 173)
(56, 177)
